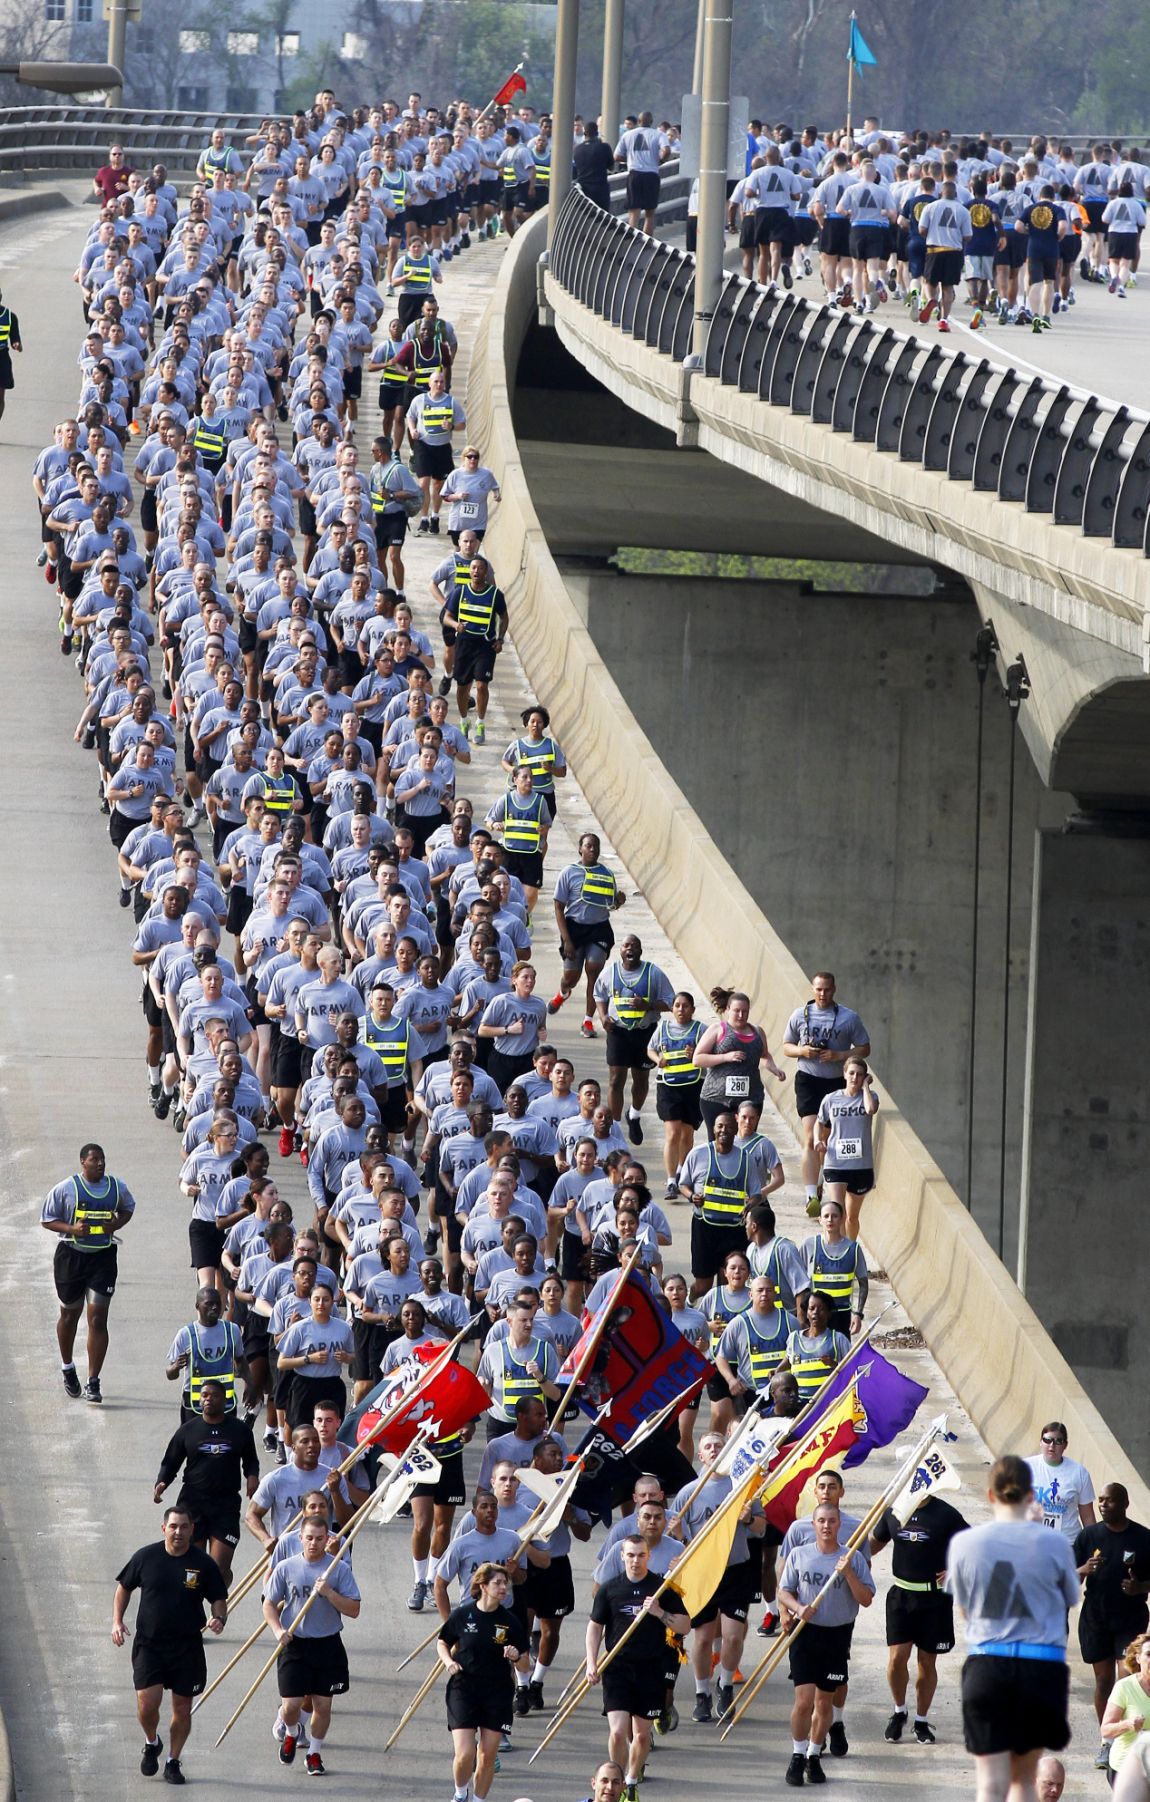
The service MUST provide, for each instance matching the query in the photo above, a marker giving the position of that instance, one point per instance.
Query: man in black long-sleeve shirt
(594, 162)
(218, 1452)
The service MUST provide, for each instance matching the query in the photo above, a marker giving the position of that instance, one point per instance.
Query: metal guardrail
(1046, 446)
(37, 139)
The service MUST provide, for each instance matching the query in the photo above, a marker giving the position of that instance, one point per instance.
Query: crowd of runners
(923, 218)
(343, 1025)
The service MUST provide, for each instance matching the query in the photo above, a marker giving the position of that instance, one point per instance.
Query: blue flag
(860, 52)
(890, 1399)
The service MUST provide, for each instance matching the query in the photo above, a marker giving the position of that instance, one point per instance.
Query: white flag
(931, 1475)
(752, 1446)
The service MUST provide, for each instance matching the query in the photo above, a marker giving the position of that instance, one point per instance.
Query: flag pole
(348, 1533)
(775, 1656)
(517, 70)
(251, 1577)
(850, 73)
(597, 1331)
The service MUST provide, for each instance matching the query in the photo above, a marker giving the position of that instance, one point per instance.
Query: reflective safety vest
(539, 758)
(765, 1354)
(383, 497)
(543, 169)
(522, 825)
(809, 1369)
(476, 610)
(279, 794)
(677, 1071)
(5, 328)
(424, 367)
(835, 1277)
(201, 1368)
(722, 1310)
(632, 1000)
(510, 175)
(599, 887)
(394, 378)
(725, 1198)
(96, 1212)
(216, 159)
(395, 181)
(514, 1380)
(208, 439)
(437, 416)
(415, 272)
(391, 1043)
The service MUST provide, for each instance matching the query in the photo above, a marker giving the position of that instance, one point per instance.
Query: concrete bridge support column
(563, 108)
(1083, 1249)
(610, 117)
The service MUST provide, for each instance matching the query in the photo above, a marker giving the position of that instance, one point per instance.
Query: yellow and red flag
(832, 1436)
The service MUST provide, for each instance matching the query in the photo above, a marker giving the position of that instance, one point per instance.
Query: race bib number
(469, 509)
(1052, 1521)
(849, 1148)
(736, 1087)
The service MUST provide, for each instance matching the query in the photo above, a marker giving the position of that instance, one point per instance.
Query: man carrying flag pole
(918, 1526)
(859, 56)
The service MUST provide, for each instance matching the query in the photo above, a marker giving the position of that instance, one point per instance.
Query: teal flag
(860, 52)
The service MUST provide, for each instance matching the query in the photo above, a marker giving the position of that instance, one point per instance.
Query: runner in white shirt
(1062, 1487)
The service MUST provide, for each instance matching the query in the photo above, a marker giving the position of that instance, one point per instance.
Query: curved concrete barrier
(992, 1347)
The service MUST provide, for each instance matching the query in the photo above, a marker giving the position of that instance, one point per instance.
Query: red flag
(514, 84)
(451, 1399)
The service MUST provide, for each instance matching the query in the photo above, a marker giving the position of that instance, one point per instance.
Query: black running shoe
(92, 1394)
(71, 1383)
(173, 1773)
(924, 1733)
(796, 1774)
(837, 1740)
(150, 1759)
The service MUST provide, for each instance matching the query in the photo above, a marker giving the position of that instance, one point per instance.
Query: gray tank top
(739, 1082)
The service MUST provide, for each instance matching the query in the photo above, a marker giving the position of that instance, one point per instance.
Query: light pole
(713, 136)
(562, 110)
(612, 70)
(697, 64)
(117, 12)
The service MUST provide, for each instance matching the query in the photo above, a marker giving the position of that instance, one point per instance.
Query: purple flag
(891, 1400)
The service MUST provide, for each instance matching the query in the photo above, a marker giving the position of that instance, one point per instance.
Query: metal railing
(55, 139)
(1031, 441)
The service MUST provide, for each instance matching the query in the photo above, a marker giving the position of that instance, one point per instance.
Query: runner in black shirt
(218, 1451)
(919, 1613)
(1113, 1559)
(477, 1649)
(175, 1579)
(635, 1684)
